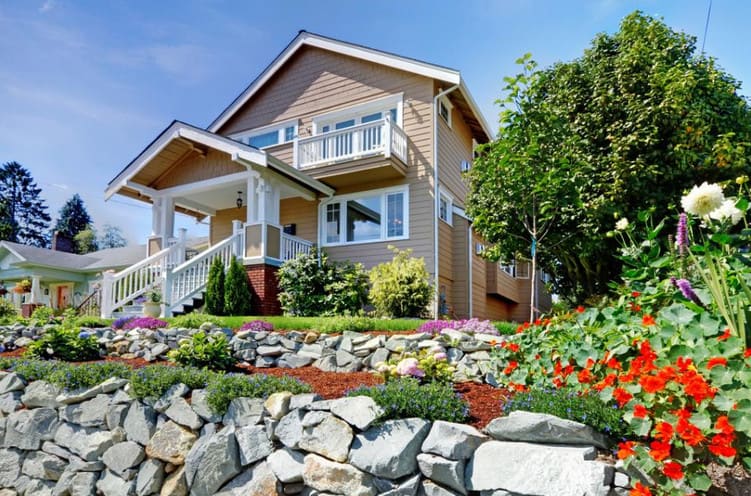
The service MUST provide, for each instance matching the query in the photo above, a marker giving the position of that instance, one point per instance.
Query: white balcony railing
(381, 137)
(293, 246)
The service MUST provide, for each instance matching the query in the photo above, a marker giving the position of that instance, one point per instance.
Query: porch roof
(140, 178)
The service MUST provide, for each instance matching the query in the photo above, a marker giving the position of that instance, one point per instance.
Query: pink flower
(410, 366)
(440, 356)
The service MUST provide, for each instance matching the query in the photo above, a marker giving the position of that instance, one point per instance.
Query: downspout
(470, 253)
(437, 197)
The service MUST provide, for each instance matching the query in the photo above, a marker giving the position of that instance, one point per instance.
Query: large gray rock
(259, 480)
(287, 465)
(181, 412)
(201, 407)
(171, 443)
(253, 444)
(110, 484)
(11, 382)
(331, 437)
(26, 429)
(150, 477)
(109, 386)
(123, 456)
(115, 416)
(220, 463)
(430, 488)
(359, 411)
(10, 402)
(73, 483)
(449, 473)
(41, 394)
(337, 478)
(140, 423)
(244, 411)
(40, 465)
(407, 488)
(453, 441)
(87, 442)
(91, 413)
(390, 449)
(535, 469)
(174, 392)
(289, 429)
(544, 428)
(11, 461)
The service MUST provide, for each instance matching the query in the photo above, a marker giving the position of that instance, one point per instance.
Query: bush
(204, 351)
(257, 326)
(473, 326)
(64, 344)
(215, 288)
(236, 290)
(69, 376)
(224, 388)
(425, 365)
(407, 398)
(341, 324)
(122, 321)
(8, 312)
(309, 288)
(144, 323)
(193, 320)
(153, 381)
(506, 328)
(401, 288)
(586, 408)
(91, 322)
(43, 315)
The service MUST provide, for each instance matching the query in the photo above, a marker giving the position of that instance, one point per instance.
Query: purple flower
(84, 335)
(685, 287)
(257, 326)
(681, 235)
(144, 323)
(120, 323)
(410, 366)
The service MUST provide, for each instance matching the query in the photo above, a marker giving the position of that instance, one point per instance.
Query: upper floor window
(375, 110)
(366, 217)
(445, 204)
(444, 109)
(266, 136)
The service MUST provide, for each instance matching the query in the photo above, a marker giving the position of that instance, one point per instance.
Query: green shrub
(43, 315)
(586, 408)
(215, 288)
(401, 287)
(224, 388)
(506, 328)
(236, 290)
(69, 376)
(154, 380)
(309, 287)
(427, 365)
(8, 312)
(92, 322)
(205, 351)
(35, 370)
(341, 324)
(193, 320)
(64, 344)
(7, 362)
(68, 318)
(406, 398)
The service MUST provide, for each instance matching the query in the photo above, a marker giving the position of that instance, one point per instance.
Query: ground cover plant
(204, 350)
(222, 389)
(69, 345)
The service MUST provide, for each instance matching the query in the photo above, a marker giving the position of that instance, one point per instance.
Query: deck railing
(293, 246)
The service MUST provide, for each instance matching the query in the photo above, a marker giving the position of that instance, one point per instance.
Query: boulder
(277, 404)
(289, 429)
(337, 478)
(220, 463)
(358, 411)
(253, 444)
(244, 411)
(87, 442)
(199, 405)
(544, 428)
(171, 443)
(258, 480)
(26, 429)
(150, 477)
(140, 423)
(181, 412)
(11, 461)
(123, 456)
(453, 441)
(115, 416)
(331, 437)
(40, 465)
(390, 449)
(449, 473)
(41, 394)
(174, 392)
(110, 385)
(11, 382)
(293, 361)
(407, 488)
(430, 488)
(10, 402)
(90, 413)
(175, 484)
(110, 484)
(287, 465)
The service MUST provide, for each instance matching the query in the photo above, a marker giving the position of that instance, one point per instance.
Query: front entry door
(63, 297)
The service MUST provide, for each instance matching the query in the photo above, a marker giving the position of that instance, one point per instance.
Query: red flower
(721, 445)
(513, 347)
(640, 490)
(621, 396)
(689, 432)
(652, 384)
(609, 380)
(520, 329)
(682, 413)
(625, 450)
(684, 363)
(634, 307)
(646, 352)
(640, 411)
(663, 432)
(747, 353)
(698, 389)
(724, 335)
(648, 320)
(673, 470)
(723, 425)
(580, 309)
(614, 364)
(659, 451)
(538, 322)
(715, 361)
(635, 294)
(512, 365)
(590, 363)
(584, 376)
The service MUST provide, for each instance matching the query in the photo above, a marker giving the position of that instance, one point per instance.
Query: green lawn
(330, 324)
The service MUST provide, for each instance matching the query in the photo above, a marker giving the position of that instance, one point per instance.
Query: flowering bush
(257, 326)
(69, 345)
(120, 323)
(203, 350)
(473, 326)
(427, 365)
(144, 323)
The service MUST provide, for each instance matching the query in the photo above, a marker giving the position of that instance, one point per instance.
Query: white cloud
(47, 6)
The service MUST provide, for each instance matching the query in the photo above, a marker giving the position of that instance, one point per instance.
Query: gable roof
(305, 38)
(91, 262)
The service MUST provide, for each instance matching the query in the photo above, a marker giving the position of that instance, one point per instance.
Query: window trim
(279, 127)
(449, 107)
(443, 195)
(360, 110)
(343, 199)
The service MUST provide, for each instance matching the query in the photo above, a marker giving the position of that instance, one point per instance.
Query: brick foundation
(264, 289)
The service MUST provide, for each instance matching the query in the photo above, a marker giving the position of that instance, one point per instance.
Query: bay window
(366, 217)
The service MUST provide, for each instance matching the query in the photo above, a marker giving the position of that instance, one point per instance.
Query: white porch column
(251, 200)
(156, 216)
(269, 195)
(261, 193)
(168, 219)
(36, 290)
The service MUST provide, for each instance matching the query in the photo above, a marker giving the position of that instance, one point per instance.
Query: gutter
(437, 197)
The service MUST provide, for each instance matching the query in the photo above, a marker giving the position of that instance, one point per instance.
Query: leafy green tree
(236, 290)
(636, 120)
(215, 288)
(25, 218)
(74, 218)
(86, 241)
(112, 237)
(401, 287)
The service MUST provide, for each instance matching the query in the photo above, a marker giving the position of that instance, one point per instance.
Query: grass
(289, 323)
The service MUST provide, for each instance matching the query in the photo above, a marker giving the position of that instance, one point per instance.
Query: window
(465, 165)
(444, 110)
(445, 203)
(360, 114)
(269, 135)
(366, 217)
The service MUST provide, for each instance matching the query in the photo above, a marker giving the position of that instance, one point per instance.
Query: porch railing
(293, 246)
(92, 305)
(374, 138)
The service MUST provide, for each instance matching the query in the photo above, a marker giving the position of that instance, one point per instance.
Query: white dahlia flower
(622, 224)
(727, 210)
(702, 200)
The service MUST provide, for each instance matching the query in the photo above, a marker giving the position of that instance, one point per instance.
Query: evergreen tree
(215, 288)
(25, 214)
(4, 220)
(74, 217)
(86, 241)
(112, 237)
(236, 290)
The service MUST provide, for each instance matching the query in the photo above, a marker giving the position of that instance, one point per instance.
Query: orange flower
(580, 309)
(590, 363)
(621, 396)
(682, 413)
(652, 384)
(663, 432)
(513, 347)
(609, 380)
(725, 335)
(584, 376)
(684, 363)
(640, 490)
(635, 294)
(747, 353)
(492, 342)
(689, 432)
(648, 320)
(613, 364)
(625, 450)
(640, 411)
(698, 389)
(723, 425)
(715, 361)
(673, 470)
(512, 365)
(721, 445)
(659, 451)
(520, 329)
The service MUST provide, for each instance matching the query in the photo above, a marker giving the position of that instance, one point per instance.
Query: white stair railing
(293, 246)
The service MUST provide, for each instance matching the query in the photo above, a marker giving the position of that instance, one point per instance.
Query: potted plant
(23, 286)
(152, 307)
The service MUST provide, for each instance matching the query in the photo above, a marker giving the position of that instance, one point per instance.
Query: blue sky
(85, 85)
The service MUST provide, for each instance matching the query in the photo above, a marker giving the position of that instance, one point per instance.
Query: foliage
(153, 296)
(193, 320)
(204, 351)
(8, 311)
(236, 290)
(73, 217)
(122, 321)
(401, 287)
(215, 288)
(111, 237)
(92, 322)
(506, 328)
(72, 377)
(224, 388)
(24, 217)
(257, 326)
(312, 285)
(153, 381)
(342, 324)
(43, 315)
(586, 408)
(407, 398)
(143, 323)
(632, 123)
(426, 365)
(86, 241)
(69, 345)
(472, 326)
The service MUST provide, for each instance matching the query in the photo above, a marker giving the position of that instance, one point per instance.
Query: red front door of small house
(63, 296)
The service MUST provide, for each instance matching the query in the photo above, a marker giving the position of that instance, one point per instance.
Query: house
(336, 145)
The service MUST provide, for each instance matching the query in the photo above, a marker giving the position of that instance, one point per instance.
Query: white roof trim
(14, 252)
(476, 110)
(360, 52)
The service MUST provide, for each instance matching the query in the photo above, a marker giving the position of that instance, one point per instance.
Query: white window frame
(342, 201)
(446, 103)
(244, 137)
(444, 196)
(357, 112)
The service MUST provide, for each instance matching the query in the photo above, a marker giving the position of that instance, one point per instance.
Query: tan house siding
(302, 213)
(454, 145)
(460, 286)
(197, 168)
(221, 223)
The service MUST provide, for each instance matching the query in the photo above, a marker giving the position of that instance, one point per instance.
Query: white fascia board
(195, 206)
(476, 110)
(461, 213)
(14, 252)
(205, 185)
(363, 53)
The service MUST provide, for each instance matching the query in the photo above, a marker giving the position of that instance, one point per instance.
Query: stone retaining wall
(101, 441)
